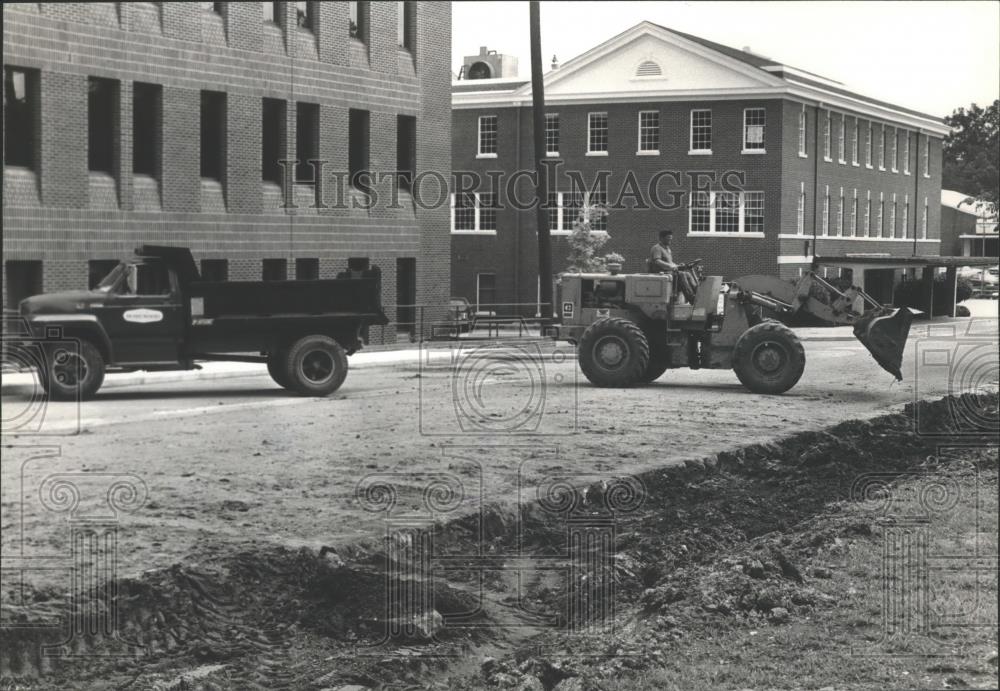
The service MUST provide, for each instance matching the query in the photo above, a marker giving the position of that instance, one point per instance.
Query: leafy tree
(584, 244)
(972, 152)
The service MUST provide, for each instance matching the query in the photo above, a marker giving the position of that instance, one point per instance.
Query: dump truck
(631, 328)
(153, 312)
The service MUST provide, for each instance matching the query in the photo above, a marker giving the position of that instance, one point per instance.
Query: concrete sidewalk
(407, 356)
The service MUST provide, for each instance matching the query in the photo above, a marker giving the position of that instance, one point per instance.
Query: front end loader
(631, 328)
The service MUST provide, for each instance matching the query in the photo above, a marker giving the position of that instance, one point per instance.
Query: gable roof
(765, 78)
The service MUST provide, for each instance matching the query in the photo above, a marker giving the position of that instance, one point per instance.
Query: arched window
(648, 69)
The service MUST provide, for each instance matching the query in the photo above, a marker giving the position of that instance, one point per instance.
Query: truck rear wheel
(614, 352)
(315, 366)
(74, 373)
(769, 358)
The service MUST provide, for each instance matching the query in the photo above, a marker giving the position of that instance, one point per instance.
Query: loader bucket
(883, 331)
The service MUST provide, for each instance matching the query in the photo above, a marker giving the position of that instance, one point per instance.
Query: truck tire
(74, 374)
(276, 362)
(659, 360)
(614, 352)
(769, 358)
(315, 366)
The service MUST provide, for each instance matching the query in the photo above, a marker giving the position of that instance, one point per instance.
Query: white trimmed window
(881, 149)
(488, 135)
(868, 214)
(892, 217)
(552, 134)
(800, 214)
(649, 131)
(927, 157)
(474, 212)
(842, 140)
(826, 211)
(827, 156)
(906, 215)
(802, 132)
(868, 148)
(923, 222)
(701, 131)
(597, 133)
(893, 155)
(879, 223)
(906, 153)
(854, 144)
(726, 212)
(753, 129)
(563, 208)
(854, 213)
(840, 213)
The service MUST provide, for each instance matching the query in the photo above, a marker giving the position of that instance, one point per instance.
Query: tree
(972, 152)
(584, 243)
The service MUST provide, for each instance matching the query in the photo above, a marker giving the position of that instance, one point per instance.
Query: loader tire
(614, 352)
(315, 366)
(769, 358)
(659, 361)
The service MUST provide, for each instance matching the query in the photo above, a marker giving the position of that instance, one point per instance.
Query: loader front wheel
(769, 358)
(614, 352)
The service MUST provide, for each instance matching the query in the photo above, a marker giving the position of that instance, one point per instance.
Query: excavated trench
(422, 607)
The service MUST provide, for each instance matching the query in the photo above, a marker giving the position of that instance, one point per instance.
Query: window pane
(406, 150)
(487, 211)
(404, 24)
(146, 119)
(356, 21)
(488, 134)
(303, 15)
(753, 128)
(700, 212)
(649, 131)
(597, 132)
(306, 269)
(753, 214)
(306, 140)
(572, 203)
(274, 269)
(214, 269)
(20, 111)
(727, 212)
(552, 133)
(553, 208)
(701, 130)
(465, 212)
(358, 137)
(102, 116)
(272, 139)
(213, 138)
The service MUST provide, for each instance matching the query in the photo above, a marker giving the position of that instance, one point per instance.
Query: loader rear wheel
(769, 358)
(315, 366)
(614, 352)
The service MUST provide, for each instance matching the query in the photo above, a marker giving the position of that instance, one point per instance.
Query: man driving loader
(661, 260)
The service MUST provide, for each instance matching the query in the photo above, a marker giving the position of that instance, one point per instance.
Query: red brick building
(142, 122)
(655, 108)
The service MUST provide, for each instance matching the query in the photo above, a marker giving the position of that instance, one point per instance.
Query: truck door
(143, 315)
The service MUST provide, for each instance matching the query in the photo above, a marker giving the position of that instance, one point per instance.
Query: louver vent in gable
(648, 69)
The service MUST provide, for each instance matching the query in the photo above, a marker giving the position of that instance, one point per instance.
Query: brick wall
(186, 50)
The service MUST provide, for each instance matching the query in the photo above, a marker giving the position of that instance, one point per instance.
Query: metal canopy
(887, 260)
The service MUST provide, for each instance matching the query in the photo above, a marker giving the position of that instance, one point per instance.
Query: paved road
(218, 463)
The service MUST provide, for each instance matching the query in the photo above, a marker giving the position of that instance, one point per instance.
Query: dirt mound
(705, 540)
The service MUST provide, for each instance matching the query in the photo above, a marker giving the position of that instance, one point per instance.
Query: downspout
(517, 223)
(815, 183)
(916, 192)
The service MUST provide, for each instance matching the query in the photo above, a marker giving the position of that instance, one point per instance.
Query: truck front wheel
(276, 362)
(75, 372)
(315, 366)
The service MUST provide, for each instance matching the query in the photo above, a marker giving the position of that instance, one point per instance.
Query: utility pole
(541, 187)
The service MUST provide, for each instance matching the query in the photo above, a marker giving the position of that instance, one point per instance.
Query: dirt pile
(734, 539)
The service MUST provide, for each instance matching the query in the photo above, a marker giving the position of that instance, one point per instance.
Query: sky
(930, 56)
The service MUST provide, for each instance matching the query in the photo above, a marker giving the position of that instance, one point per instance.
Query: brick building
(655, 108)
(142, 122)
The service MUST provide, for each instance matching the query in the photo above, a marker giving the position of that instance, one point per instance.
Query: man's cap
(666, 232)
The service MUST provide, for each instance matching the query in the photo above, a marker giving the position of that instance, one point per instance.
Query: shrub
(911, 294)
